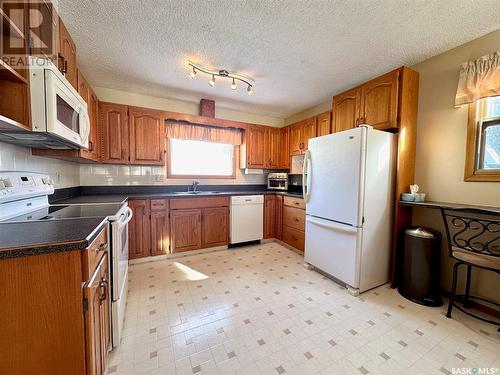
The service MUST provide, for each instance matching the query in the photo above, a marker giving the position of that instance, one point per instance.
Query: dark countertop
(43, 237)
(118, 198)
(438, 205)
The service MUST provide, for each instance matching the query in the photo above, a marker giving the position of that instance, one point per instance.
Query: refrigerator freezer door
(333, 248)
(335, 176)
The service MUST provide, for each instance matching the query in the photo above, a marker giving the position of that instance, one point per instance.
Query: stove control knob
(2, 185)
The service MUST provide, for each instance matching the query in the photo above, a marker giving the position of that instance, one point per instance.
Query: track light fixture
(221, 73)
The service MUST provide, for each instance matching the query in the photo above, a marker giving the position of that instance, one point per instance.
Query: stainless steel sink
(195, 192)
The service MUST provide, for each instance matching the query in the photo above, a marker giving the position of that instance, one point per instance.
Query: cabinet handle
(103, 247)
(295, 219)
(102, 289)
(91, 146)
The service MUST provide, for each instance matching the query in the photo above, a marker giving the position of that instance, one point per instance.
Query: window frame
(211, 177)
(472, 153)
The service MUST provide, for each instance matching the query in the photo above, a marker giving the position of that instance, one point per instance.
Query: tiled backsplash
(16, 158)
(68, 174)
(151, 175)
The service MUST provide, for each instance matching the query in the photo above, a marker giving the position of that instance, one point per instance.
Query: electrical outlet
(159, 178)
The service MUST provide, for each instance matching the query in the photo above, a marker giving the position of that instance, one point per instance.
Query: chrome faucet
(194, 186)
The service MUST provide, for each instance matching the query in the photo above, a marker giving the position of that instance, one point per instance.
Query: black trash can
(419, 272)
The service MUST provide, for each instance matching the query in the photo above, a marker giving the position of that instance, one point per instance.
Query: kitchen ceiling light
(212, 81)
(221, 73)
(192, 73)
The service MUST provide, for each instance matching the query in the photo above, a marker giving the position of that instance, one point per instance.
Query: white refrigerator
(348, 183)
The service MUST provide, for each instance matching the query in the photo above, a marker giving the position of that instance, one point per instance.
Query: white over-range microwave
(56, 107)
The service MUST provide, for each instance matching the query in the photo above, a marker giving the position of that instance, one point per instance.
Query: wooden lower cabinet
(197, 223)
(97, 332)
(294, 222)
(186, 229)
(139, 229)
(215, 227)
(54, 312)
(273, 214)
(160, 232)
(294, 237)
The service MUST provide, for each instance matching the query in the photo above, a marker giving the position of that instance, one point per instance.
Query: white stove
(24, 196)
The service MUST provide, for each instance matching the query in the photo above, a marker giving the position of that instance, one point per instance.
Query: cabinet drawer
(294, 202)
(294, 218)
(159, 204)
(94, 253)
(187, 203)
(293, 237)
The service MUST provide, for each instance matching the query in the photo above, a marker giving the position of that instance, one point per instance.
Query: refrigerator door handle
(306, 176)
(331, 225)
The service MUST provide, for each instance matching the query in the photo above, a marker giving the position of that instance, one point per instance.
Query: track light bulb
(249, 90)
(233, 85)
(212, 81)
(192, 73)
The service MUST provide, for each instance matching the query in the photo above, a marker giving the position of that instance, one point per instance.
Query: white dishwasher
(247, 218)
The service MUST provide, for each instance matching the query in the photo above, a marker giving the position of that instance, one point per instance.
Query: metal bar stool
(473, 241)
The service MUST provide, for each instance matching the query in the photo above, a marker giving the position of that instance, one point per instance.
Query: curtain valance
(479, 79)
(186, 130)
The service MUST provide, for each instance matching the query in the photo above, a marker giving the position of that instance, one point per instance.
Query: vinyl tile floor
(257, 310)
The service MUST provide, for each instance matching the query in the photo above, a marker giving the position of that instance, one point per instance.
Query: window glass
(492, 107)
(198, 158)
(490, 153)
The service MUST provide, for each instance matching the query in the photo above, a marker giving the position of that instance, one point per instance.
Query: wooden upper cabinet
(309, 131)
(67, 55)
(160, 227)
(379, 101)
(139, 231)
(185, 230)
(147, 136)
(90, 98)
(345, 110)
(324, 124)
(256, 145)
(273, 148)
(113, 125)
(215, 226)
(296, 138)
(284, 159)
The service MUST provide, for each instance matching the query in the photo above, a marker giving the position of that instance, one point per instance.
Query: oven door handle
(129, 217)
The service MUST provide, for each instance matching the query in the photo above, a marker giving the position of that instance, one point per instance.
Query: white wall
(63, 173)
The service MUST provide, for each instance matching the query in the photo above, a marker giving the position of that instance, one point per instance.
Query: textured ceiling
(300, 53)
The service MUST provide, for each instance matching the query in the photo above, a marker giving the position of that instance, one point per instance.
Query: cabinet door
(324, 124)
(296, 138)
(379, 101)
(309, 131)
(113, 126)
(273, 147)
(147, 136)
(160, 232)
(185, 230)
(256, 143)
(67, 55)
(284, 160)
(90, 98)
(139, 229)
(345, 110)
(105, 304)
(92, 294)
(269, 216)
(215, 228)
(278, 211)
